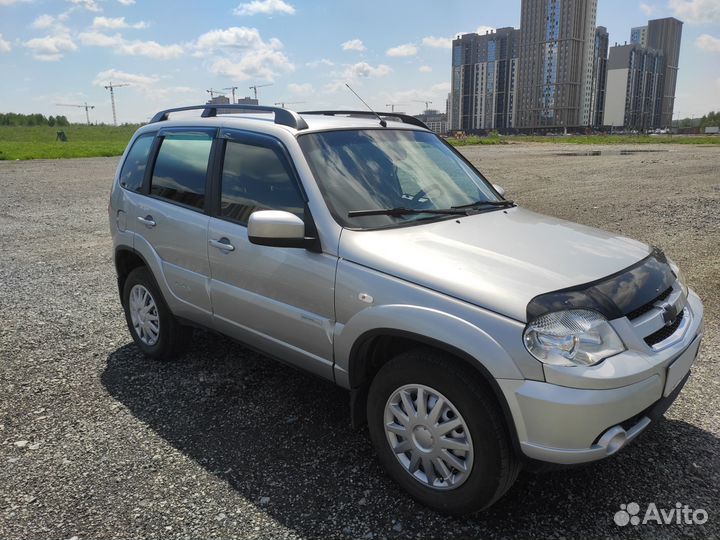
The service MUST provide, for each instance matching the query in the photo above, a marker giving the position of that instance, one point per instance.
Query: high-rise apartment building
(556, 63)
(484, 78)
(599, 76)
(638, 35)
(635, 82)
(664, 35)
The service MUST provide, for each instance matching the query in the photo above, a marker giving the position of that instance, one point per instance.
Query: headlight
(680, 277)
(576, 337)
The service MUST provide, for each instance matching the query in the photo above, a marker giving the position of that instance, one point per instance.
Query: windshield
(376, 169)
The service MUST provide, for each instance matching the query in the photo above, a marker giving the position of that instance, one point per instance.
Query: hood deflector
(614, 296)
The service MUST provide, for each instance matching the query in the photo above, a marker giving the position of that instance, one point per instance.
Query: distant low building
(435, 120)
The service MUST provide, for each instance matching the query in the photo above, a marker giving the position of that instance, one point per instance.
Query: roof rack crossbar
(404, 118)
(283, 117)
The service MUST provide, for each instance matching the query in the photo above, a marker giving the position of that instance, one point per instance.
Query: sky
(390, 51)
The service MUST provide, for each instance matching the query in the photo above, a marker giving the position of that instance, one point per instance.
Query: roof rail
(283, 117)
(404, 118)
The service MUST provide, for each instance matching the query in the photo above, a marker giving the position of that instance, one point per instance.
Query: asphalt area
(98, 442)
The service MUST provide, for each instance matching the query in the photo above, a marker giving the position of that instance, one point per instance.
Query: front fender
(429, 324)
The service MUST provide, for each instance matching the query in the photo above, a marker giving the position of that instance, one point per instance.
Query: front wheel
(439, 433)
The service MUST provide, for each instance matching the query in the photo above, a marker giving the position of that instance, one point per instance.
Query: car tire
(153, 327)
(481, 444)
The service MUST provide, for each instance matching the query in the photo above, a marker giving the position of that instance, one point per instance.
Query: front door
(280, 300)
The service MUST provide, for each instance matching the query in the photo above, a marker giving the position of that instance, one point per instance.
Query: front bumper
(566, 425)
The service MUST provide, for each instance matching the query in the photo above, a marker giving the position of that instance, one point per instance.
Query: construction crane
(232, 89)
(112, 88)
(255, 87)
(283, 103)
(393, 105)
(427, 103)
(212, 93)
(86, 107)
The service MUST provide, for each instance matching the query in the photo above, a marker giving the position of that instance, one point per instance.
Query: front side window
(373, 169)
(133, 170)
(256, 178)
(181, 168)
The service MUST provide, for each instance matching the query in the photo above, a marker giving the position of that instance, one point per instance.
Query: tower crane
(212, 92)
(283, 103)
(85, 106)
(110, 86)
(427, 103)
(255, 87)
(232, 89)
(393, 105)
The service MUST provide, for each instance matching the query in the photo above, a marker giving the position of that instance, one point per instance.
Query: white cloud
(647, 9)
(127, 2)
(696, 11)
(122, 77)
(365, 70)
(304, 88)
(437, 42)
(264, 7)
(43, 21)
(321, 62)
(708, 43)
(425, 69)
(150, 49)
(361, 70)
(241, 53)
(116, 22)
(90, 5)
(436, 93)
(353, 45)
(11, 2)
(485, 30)
(150, 85)
(4, 45)
(407, 49)
(50, 48)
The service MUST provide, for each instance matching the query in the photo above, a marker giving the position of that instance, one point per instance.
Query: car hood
(498, 260)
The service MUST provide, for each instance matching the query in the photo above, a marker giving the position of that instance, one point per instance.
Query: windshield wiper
(485, 203)
(398, 212)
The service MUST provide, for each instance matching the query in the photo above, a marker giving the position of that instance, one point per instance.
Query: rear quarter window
(133, 170)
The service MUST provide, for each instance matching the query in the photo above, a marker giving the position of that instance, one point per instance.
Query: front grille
(642, 310)
(665, 332)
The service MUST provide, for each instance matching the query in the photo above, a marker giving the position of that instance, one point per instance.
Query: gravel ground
(96, 442)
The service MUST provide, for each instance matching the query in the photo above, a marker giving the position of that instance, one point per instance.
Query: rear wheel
(154, 329)
(439, 433)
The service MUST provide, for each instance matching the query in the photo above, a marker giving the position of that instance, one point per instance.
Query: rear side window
(181, 168)
(256, 178)
(133, 170)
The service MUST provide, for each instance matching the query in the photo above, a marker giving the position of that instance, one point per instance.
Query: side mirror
(499, 189)
(276, 228)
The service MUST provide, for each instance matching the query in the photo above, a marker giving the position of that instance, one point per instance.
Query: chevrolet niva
(475, 337)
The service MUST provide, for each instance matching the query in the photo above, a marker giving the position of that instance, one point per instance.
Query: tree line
(711, 119)
(15, 119)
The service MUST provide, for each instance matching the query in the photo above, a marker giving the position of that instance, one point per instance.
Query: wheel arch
(127, 260)
(374, 348)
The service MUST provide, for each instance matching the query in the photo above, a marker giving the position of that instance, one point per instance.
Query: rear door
(277, 299)
(172, 219)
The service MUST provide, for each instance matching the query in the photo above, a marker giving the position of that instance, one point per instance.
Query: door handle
(148, 221)
(223, 244)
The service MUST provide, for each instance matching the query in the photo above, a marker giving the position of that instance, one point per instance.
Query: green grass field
(38, 142)
(591, 139)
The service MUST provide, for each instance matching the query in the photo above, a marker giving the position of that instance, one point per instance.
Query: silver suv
(474, 336)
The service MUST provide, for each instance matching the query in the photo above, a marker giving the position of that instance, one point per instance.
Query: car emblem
(669, 314)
